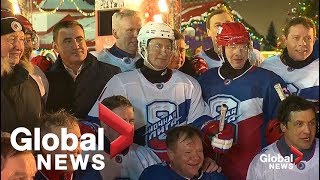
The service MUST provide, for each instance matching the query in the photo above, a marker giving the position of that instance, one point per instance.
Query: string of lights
(60, 4)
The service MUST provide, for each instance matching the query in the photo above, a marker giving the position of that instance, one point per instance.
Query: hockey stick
(280, 92)
(223, 112)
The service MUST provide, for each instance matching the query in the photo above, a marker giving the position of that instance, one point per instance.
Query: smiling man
(162, 97)
(19, 92)
(298, 123)
(297, 65)
(77, 77)
(186, 156)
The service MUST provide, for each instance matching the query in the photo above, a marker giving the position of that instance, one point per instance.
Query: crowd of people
(209, 117)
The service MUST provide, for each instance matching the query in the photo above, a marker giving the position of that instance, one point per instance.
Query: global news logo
(284, 162)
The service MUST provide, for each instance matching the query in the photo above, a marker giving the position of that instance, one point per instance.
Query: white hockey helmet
(150, 31)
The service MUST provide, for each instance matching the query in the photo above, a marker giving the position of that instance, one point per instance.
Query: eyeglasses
(159, 47)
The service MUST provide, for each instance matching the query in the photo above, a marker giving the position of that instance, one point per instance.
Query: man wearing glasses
(163, 98)
(249, 95)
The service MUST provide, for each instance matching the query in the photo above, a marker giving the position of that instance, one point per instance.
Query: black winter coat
(78, 96)
(20, 101)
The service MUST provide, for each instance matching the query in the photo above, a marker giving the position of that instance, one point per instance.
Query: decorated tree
(271, 38)
(196, 34)
(308, 8)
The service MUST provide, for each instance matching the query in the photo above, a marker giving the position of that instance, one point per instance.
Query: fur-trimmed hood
(6, 68)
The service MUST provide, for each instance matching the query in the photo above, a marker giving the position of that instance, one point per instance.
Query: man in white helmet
(162, 98)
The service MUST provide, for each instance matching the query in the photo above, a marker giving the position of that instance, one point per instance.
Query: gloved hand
(273, 131)
(199, 64)
(220, 141)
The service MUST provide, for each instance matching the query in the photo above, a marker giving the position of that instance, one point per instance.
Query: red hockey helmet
(232, 33)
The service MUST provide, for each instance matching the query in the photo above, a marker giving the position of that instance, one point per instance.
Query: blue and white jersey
(160, 106)
(129, 166)
(164, 172)
(260, 169)
(303, 82)
(251, 101)
(212, 63)
(125, 63)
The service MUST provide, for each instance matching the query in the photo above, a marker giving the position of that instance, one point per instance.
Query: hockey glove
(273, 131)
(220, 141)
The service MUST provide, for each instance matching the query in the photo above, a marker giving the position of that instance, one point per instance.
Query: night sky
(260, 13)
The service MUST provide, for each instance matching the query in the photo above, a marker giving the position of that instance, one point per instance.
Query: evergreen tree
(271, 38)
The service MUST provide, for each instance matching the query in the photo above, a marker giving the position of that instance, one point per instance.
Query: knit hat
(9, 23)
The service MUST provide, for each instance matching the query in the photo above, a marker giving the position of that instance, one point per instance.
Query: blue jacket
(163, 171)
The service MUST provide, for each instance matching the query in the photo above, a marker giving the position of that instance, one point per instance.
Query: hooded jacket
(20, 97)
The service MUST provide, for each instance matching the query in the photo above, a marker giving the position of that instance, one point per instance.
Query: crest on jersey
(161, 116)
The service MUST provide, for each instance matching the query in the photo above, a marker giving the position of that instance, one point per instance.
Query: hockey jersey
(303, 82)
(157, 107)
(211, 57)
(262, 168)
(163, 171)
(130, 165)
(251, 101)
(125, 63)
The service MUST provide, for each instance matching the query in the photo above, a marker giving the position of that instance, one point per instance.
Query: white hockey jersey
(160, 106)
(129, 166)
(303, 82)
(125, 64)
(305, 170)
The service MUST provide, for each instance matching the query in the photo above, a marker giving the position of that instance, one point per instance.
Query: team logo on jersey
(161, 116)
(293, 89)
(233, 110)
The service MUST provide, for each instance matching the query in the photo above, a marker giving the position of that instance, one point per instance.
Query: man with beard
(29, 43)
(76, 78)
(20, 95)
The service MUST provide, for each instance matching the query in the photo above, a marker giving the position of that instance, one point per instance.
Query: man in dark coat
(20, 96)
(77, 78)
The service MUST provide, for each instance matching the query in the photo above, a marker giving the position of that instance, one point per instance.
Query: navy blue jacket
(163, 171)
